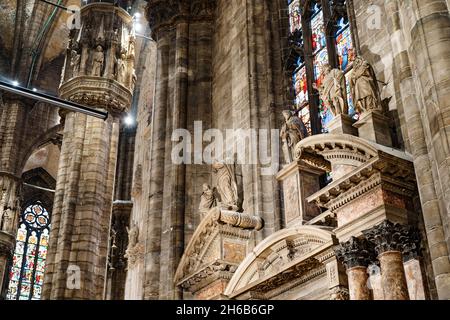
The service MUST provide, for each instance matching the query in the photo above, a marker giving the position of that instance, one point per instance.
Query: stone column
(434, 215)
(389, 239)
(426, 25)
(413, 265)
(356, 254)
(12, 119)
(79, 239)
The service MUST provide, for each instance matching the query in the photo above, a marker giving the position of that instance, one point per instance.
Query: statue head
(287, 114)
(99, 48)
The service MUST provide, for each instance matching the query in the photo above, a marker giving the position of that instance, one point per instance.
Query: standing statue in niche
(364, 87)
(333, 91)
(292, 132)
(75, 63)
(121, 69)
(133, 236)
(226, 186)
(8, 220)
(98, 60)
(207, 200)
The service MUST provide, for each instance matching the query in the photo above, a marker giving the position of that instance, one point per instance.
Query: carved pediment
(220, 242)
(284, 256)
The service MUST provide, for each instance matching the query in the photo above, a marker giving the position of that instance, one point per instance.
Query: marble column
(389, 240)
(356, 255)
(79, 238)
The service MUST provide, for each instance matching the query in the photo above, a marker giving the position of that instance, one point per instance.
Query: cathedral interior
(114, 184)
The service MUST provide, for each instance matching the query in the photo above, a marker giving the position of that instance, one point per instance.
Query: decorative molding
(339, 293)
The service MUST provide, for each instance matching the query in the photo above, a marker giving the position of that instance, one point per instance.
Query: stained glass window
(301, 87)
(344, 45)
(295, 18)
(322, 24)
(27, 271)
(319, 40)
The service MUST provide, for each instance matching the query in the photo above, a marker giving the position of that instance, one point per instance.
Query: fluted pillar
(389, 240)
(180, 69)
(356, 254)
(79, 239)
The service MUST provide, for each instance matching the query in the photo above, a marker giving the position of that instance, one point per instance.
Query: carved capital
(163, 13)
(355, 253)
(339, 293)
(387, 236)
(412, 248)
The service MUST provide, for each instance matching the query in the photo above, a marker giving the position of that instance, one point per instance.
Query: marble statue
(99, 59)
(75, 63)
(207, 200)
(133, 235)
(292, 132)
(226, 186)
(364, 87)
(333, 90)
(8, 220)
(121, 69)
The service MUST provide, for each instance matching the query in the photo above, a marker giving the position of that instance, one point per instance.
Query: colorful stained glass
(319, 40)
(295, 18)
(346, 52)
(27, 272)
(305, 116)
(301, 87)
(320, 59)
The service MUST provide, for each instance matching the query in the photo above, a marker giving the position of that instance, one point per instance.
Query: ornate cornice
(355, 253)
(391, 174)
(388, 236)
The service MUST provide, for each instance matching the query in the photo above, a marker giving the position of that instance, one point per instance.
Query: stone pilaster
(79, 239)
(389, 240)
(356, 255)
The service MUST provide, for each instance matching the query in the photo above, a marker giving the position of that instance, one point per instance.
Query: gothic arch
(280, 252)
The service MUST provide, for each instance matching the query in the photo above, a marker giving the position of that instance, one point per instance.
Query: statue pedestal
(299, 180)
(342, 124)
(374, 126)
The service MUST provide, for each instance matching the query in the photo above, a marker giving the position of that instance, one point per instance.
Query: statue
(226, 186)
(75, 63)
(333, 91)
(121, 69)
(133, 236)
(292, 132)
(97, 65)
(8, 220)
(207, 200)
(364, 87)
